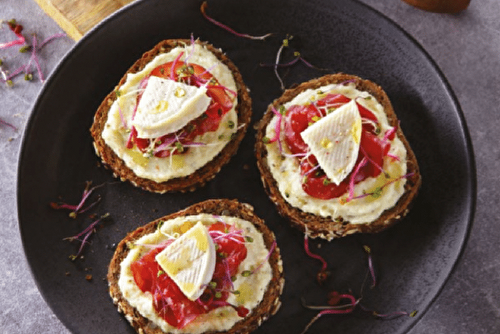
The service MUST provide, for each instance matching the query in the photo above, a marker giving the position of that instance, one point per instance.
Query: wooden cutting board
(76, 17)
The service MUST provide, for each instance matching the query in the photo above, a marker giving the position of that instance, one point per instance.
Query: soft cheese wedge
(167, 106)
(190, 261)
(334, 140)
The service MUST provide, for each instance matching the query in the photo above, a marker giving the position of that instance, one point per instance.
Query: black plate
(412, 259)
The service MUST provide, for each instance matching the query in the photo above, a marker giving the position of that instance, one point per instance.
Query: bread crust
(199, 177)
(267, 307)
(333, 227)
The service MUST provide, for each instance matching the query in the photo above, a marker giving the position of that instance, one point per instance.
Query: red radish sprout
(172, 72)
(37, 63)
(203, 9)
(334, 299)
(278, 56)
(273, 246)
(49, 39)
(277, 128)
(224, 88)
(353, 178)
(231, 235)
(227, 277)
(378, 190)
(372, 161)
(7, 124)
(16, 29)
(390, 133)
(394, 157)
(194, 144)
(323, 273)
(341, 309)
(78, 209)
(370, 265)
(389, 316)
(120, 112)
(312, 170)
(86, 234)
(347, 82)
(293, 62)
(192, 50)
(166, 145)
(21, 40)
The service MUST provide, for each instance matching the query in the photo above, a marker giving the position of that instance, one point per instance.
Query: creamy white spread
(251, 288)
(117, 128)
(286, 171)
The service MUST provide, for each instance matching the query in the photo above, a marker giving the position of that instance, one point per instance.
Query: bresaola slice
(366, 191)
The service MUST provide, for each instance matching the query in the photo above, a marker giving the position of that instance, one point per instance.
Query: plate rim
(470, 163)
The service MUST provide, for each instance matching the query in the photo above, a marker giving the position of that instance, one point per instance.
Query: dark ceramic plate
(412, 259)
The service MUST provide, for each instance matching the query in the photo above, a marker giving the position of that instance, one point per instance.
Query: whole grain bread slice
(204, 174)
(335, 227)
(222, 207)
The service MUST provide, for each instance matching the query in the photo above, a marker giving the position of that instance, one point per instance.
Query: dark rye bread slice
(202, 175)
(335, 227)
(223, 207)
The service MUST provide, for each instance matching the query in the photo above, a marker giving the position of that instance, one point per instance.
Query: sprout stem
(203, 9)
(86, 233)
(322, 274)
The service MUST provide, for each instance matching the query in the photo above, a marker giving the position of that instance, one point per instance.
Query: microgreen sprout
(389, 134)
(277, 129)
(203, 10)
(16, 29)
(296, 58)
(242, 311)
(338, 309)
(277, 61)
(389, 316)
(86, 233)
(273, 246)
(78, 209)
(2, 122)
(378, 191)
(368, 251)
(334, 298)
(353, 178)
(35, 47)
(323, 273)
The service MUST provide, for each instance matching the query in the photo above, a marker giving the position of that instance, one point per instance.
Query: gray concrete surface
(467, 49)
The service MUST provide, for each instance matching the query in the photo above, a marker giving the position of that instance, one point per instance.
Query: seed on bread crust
(333, 227)
(206, 173)
(267, 307)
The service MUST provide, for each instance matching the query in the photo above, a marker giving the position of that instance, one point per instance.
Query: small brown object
(440, 6)
(204, 174)
(336, 227)
(267, 307)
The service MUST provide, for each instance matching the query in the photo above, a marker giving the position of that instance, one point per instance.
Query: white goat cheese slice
(167, 106)
(334, 140)
(190, 261)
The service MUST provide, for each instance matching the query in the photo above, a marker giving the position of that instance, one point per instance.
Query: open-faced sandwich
(174, 119)
(333, 158)
(211, 268)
